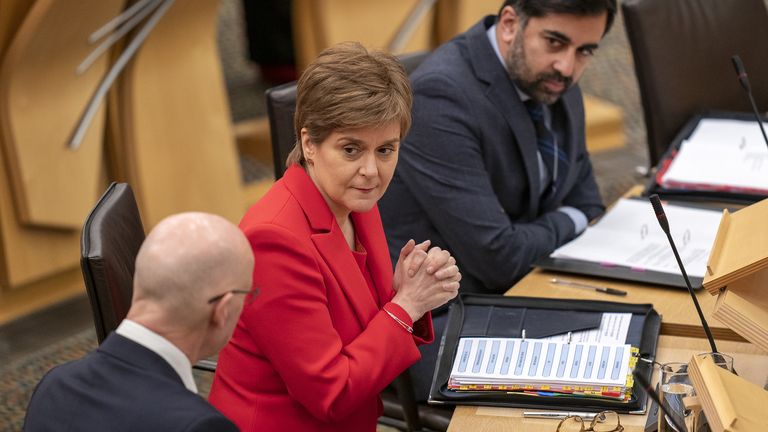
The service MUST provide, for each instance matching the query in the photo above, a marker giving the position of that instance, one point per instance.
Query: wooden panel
(751, 363)
(457, 16)
(176, 139)
(12, 13)
(41, 101)
(322, 23)
(604, 125)
(38, 295)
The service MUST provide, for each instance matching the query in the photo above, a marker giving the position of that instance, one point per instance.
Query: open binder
(493, 316)
(701, 192)
(737, 272)
(623, 225)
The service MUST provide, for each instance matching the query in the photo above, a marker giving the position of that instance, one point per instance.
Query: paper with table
(595, 363)
(720, 155)
(629, 235)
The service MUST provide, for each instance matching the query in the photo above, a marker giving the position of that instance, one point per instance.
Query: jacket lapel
(330, 243)
(502, 93)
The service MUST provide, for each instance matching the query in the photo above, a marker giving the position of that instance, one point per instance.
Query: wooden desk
(679, 316)
(749, 361)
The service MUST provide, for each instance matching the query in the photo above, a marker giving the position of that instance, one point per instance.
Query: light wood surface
(41, 102)
(679, 316)
(27, 254)
(12, 13)
(176, 138)
(750, 362)
(40, 294)
(319, 24)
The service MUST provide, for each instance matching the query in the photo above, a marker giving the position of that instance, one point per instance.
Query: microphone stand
(662, 218)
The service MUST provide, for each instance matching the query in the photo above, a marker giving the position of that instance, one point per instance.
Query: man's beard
(517, 67)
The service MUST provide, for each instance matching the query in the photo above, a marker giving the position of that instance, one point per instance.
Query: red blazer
(314, 350)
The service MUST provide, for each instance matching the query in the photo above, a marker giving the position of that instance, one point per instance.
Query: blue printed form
(595, 369)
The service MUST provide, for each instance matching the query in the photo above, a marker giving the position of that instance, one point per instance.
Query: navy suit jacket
(468, 173)
(121, 386)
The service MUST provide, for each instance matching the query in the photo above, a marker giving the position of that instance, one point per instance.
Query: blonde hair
(348, 87)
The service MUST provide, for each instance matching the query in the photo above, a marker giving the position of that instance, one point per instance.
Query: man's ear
(221, 311)
(509, 24)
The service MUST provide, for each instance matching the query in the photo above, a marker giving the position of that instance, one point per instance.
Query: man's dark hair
(539, 8)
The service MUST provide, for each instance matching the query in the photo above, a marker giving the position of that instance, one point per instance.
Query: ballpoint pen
(558, 414)
(612, 291)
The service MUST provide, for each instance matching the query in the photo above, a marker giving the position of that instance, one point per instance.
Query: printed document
(720, 154)
(512, 364)
(629, 235)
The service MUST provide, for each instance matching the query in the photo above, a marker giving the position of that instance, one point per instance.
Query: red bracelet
(402, 323)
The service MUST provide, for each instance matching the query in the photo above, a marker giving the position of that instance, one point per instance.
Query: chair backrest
(110, 241)
(281, 106)
(682, 51)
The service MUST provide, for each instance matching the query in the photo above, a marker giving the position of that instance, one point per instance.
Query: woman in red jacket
(332, 325)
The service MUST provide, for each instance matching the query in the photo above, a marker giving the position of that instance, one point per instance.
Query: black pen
(612, 291)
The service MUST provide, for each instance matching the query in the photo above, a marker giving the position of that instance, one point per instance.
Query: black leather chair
(682, 51)
(111, 238)
(400, 408)
(281, 105)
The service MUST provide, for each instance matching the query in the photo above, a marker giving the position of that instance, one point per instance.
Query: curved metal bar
(408, 26)
(109, 78)
(114, 37)
(116, 21)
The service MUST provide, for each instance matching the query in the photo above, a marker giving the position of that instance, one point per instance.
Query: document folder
(478, 315)
(701, 192)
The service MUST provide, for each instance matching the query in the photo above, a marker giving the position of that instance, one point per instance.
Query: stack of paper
(541, 367)
(730, 402)
(720, 155)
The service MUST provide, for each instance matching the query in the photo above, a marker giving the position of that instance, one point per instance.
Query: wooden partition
(318, 24)
(41, 100)
(42, 240)
(173, 135)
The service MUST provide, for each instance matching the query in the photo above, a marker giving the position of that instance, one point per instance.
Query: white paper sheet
(613, 330)
(721, 154)
(537, 362)
(629, 235)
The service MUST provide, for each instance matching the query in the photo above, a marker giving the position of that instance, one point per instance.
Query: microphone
(741, 74)
(655, 396)
(662, 217)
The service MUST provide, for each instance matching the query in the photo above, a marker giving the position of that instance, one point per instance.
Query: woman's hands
(424, 278)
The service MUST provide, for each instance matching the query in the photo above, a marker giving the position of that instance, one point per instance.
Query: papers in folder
(543, 368)
(629, 235)
(720, 155)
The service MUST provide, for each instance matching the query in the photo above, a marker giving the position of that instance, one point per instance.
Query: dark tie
(546, 146)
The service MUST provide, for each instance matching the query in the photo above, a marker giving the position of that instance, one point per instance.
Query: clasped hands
(424, 278)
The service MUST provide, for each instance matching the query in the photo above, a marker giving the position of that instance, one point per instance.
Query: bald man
(193, 275)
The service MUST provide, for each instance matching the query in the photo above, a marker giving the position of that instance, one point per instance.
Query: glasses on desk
(605, 421)
(250, 296)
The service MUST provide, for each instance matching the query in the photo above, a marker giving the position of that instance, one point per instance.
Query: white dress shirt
(578, 218)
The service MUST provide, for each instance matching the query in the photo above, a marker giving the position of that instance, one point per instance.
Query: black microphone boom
(652, 393)
(662, 217)
(741, 74)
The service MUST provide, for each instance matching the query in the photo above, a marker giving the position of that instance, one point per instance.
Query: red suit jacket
(314, 350)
